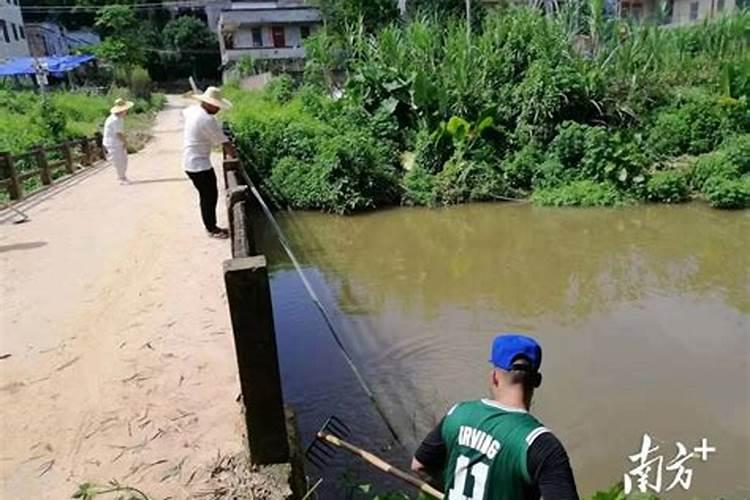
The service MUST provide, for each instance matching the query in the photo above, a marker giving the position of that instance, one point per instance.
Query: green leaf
(424, 91)
(389, 105)
(623, 176)
(365, 488)
(458, 128)
(393, 85)
(484, 124)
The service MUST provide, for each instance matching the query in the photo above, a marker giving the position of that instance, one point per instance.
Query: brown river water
(642, 313)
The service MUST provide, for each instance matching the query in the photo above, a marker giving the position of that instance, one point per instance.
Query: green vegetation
(579, 193)
(580, 109)
(670, 186)
(28, 120)
(722, 192)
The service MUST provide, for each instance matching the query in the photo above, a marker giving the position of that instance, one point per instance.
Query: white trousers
(119, 158)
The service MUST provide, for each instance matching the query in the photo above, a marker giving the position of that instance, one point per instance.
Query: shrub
(51, 120)
(140, 83)
(463, 180)
(281, 88)
(551, 173)
(570, 144)
(300, 185)
(669, 186)
(710, 165)
(431, 150)
(520, 169)
(722, 192)
(579, 193)
(419, 187)
(697, 125)
(669, 136)
(737, 151)
(349, 173)
(610, 157)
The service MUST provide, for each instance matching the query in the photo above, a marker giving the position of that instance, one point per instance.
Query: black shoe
(219, 233)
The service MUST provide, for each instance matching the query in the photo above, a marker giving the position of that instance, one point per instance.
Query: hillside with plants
(566, 109)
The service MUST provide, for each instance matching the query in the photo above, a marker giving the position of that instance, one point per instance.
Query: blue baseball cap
(506, 348)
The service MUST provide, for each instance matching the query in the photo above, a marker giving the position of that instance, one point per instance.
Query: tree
(191, 46)
(122, 40)
(374, 13)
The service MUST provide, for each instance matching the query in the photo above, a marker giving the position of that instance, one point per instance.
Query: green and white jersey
(487, 445)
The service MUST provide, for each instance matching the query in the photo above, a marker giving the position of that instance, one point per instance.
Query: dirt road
(116, 355)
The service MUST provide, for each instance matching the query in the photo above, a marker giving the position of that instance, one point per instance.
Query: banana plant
(465, 134)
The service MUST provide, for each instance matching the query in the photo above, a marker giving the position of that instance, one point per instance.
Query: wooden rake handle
(381, 464)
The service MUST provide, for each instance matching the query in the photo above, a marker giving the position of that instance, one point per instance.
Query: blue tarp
(57, 65)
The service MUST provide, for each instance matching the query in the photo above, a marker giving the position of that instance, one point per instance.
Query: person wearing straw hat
(114, 141)
(202, 132)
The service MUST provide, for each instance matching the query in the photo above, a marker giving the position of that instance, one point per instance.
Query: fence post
(98, 138)
(41, 161)
(68, 154)
(249, 297)
(86, 150)
(15, 189)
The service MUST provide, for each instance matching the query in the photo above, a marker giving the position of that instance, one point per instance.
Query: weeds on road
(90, 491)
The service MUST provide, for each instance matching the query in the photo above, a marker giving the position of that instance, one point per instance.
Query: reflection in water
(643, 314)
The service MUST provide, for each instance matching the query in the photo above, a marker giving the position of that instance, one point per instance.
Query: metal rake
(332, 435)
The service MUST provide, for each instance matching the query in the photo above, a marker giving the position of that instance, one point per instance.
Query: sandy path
(121, 359)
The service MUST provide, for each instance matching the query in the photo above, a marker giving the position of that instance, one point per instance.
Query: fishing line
(321, 308)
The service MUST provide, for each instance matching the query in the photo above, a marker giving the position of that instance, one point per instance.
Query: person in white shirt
(202, 132)
(114, 141)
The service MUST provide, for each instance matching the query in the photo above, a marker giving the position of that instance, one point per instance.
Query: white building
(267, 31)
(683, 11)
(12, 31)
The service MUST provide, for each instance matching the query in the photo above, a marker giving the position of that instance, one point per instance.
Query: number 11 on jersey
(478, 471)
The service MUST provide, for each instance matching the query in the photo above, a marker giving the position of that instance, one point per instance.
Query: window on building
(279, 40)
(22, 32)
(4, 29)
(694, 11)
(257, 37)
(15, 31)
(229, 40)
(304, 32)
(719, 5)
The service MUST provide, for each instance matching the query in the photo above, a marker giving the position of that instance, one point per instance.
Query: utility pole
(468, 21)
(41, 70)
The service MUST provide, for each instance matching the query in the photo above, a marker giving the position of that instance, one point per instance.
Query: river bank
(416, 114)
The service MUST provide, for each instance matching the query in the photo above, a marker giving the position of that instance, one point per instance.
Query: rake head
(320, 452)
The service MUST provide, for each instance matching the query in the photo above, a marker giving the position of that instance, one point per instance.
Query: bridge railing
(249, 296)
(47, 164)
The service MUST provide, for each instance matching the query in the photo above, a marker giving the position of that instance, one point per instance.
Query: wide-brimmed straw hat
(121, 105)
(212, 96)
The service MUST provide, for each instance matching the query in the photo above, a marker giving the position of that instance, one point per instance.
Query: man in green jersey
(493, 449)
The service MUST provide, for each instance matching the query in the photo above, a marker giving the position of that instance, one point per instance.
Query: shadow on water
(628, 304)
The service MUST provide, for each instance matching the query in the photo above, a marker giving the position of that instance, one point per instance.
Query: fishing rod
(321, 308)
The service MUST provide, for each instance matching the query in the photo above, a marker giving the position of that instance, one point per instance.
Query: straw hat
(212, 96)
(121, 105)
